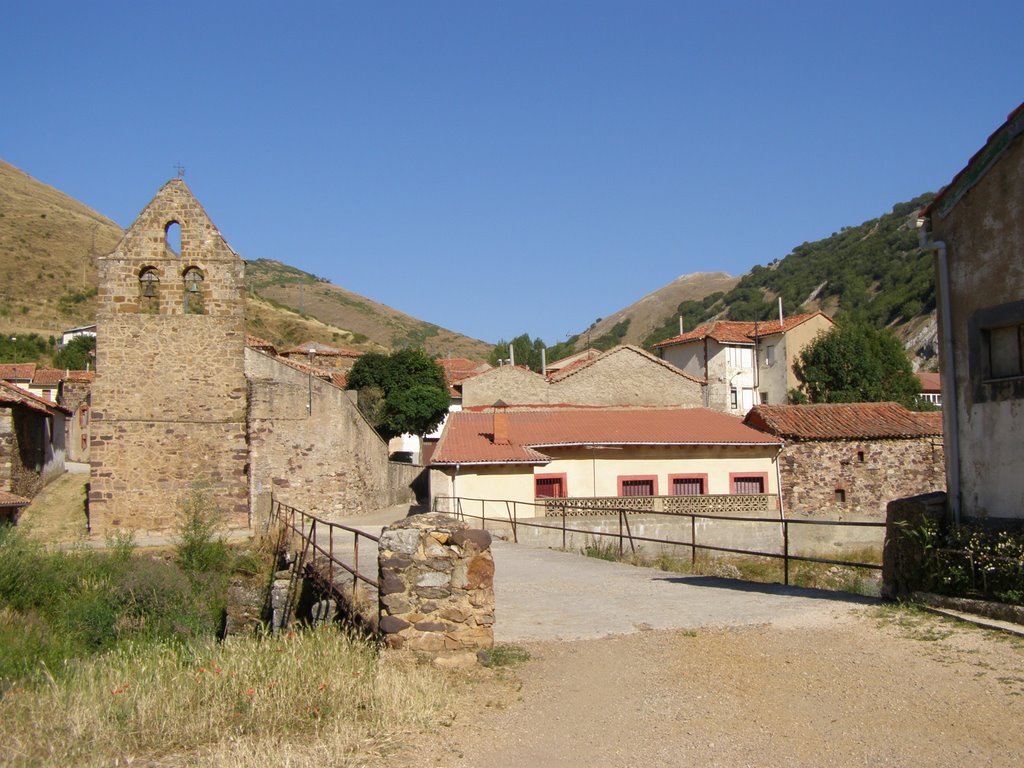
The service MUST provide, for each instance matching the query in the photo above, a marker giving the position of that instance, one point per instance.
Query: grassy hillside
(48, 244)
(873, 271)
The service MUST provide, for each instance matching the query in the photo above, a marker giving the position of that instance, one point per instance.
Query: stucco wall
(796, 339)
(621, 377)
(984, 235)
(812, 471)
(312, 449)
(582, 467)
(625, 377)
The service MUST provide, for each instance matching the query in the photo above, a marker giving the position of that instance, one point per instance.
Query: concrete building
(744, 363)
(975, 227)
(844, 460)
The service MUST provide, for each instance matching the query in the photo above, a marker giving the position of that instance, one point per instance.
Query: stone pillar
(902, 556)
(437, 587)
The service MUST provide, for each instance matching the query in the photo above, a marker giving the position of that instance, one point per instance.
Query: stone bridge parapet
(436, 579)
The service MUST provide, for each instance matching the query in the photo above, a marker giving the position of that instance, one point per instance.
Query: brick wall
(813, 471)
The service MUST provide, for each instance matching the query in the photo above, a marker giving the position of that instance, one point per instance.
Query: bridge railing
(567, 511)
(320, 546)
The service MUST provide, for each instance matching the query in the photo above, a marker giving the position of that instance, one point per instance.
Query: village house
(647, 459)
(181, 403)
(851, 459)
(975, 227)
(744, 363)
(931, 387)
(32, 434)
(623, 376)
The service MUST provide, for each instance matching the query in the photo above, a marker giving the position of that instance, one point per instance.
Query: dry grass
(315, 698)
(57, 513)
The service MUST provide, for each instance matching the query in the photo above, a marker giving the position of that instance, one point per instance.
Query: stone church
(181, 403)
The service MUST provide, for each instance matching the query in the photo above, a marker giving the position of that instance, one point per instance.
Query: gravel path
(874, 687)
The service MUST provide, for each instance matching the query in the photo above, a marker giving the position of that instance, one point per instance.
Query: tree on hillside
(76, 355)
(855, 362)
(401, 392)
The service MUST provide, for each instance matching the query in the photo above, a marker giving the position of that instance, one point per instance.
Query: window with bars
(688, 486)
(637, 486)
(748, 484)
(549, 487)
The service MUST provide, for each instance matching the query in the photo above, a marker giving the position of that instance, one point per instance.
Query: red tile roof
(320, 349)
(80, 376)
(739, 331)
(930, 382)
(12, 394)
(17, 371)
(468, 436)
(262, 344)
(458, 369)
(12, 500)
(48, 377)
(844, 421)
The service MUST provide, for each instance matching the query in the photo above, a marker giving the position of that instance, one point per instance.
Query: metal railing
(319, 550)
(464, 508)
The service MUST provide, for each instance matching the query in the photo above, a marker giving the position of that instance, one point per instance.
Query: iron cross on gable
(180, 169)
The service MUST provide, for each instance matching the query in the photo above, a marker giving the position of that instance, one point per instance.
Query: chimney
(780, 310)
(680, 325)
(500, 429)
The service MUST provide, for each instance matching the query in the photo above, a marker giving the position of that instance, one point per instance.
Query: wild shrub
(200, 548)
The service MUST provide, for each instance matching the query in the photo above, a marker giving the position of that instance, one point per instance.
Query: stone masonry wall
(437, 587)
(627, 378)
(812, 471)
(311, 447)
(8, 449)
(169, 399)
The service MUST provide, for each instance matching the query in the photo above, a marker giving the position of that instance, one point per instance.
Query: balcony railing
(708, 504)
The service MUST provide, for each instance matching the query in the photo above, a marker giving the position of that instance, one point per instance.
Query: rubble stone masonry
(437, 587)
(169, 400)
(833, 478)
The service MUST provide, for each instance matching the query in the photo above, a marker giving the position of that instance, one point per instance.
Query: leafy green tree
(76, 355)
(855, 362)
(24, 348)
(401, 392)
(527, 351)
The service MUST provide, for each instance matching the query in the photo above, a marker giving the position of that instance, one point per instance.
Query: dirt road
(870, 687)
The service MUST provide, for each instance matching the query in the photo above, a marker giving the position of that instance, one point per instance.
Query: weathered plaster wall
(622, 377)
(984, 235)
(506, 383)
(626, 378)
(31, 450)
(812, 471)
(311, 447)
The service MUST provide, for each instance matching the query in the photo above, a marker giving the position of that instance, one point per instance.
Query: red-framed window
(748, 482)
(688, 485)
(550, 486)
(638, 485)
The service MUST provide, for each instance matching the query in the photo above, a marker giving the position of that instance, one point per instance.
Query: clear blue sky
(508, 167)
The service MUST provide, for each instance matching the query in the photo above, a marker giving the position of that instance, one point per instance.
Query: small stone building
(851, 459)
(180, 403)
(31, 441)
(623, 376)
